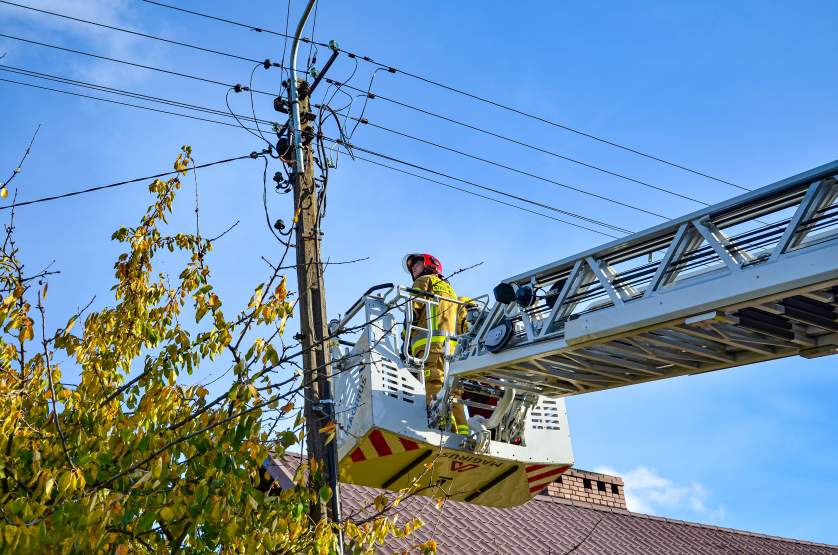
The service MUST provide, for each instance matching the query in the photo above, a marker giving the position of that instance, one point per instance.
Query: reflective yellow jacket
(442, 320)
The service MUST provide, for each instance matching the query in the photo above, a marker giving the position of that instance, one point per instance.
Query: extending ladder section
(751, 279)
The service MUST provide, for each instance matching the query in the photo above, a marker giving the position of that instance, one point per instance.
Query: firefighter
(426, 271)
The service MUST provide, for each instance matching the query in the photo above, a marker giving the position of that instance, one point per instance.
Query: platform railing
(749, 230)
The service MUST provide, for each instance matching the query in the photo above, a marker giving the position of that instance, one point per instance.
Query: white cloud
(98, 40)
(648, 492)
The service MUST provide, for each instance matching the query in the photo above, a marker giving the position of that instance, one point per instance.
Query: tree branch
(51, 384)
(19, 166)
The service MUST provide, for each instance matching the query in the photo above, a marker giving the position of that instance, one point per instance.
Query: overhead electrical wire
(311, 45)
(126, 182)
(238, 117)
(516, 141)
(558, 125)
(127, 104)
(267, 63)
(126, 62)
(515, 170)
(460, 189)
(229, 21)
(339, 142)
(353, 147)
(366, 93)
(138, 96)
(144, 35)
(465, 93)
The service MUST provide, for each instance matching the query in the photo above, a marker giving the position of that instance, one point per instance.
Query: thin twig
(76, 316)
(51, 384)
(223, 233)
(40, 275)
(19, 166)
(197, 206)
(461, 270)
(9, 240)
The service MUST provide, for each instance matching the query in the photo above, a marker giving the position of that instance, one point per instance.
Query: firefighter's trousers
(434, 376)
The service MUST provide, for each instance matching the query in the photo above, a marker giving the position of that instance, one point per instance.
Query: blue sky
(742, 90)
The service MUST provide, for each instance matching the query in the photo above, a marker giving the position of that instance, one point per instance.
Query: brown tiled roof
(549, 525)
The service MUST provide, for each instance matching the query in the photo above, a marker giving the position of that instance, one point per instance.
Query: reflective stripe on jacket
(442, 319)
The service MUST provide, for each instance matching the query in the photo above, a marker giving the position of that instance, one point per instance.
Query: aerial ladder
(751, 279)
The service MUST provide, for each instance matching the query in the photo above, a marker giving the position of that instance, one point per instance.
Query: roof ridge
(624, 512)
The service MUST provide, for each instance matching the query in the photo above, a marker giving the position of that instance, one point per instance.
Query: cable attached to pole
(252, 155)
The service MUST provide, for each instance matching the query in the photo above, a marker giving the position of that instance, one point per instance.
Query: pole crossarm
(750, 279)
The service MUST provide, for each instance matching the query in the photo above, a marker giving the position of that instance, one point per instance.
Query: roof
(549, 525)
(552, 526)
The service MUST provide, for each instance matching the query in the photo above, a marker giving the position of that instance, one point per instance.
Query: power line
(130, 94)
(454, 187)
(554, 123)
(373, 125)
(518, 142)
(366, 93)
(354, 147)
(128, 104)
(229, 21)
(371, 152)
(119, 61)
(467, 94)
(237, 117)
(267, 62)
(515, 170)
(127, 182)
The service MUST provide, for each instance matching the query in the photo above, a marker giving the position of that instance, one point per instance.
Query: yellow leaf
(215, 512)
(281, 290)
(4, 192)
(122, 549)
(287, 408)
(428, 548)
(328, 428)
(48, 487)
(78, 479)
(157, 469)
(167, 513)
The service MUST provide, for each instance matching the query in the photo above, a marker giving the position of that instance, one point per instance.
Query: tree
(148, 464)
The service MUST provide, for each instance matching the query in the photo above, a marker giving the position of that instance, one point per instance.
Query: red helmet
(431, 262)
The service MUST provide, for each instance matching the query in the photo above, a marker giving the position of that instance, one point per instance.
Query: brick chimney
(588, 487)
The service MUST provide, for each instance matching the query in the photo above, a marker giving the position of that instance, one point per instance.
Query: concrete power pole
(312, 304)
(319, 408)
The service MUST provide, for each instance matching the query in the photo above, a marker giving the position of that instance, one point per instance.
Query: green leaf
(325, 493)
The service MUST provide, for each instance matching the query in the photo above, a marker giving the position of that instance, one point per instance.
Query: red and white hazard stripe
(539, 475)
(376, 444)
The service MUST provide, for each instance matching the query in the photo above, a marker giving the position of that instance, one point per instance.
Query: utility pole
(319, 406)
(312, 302)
